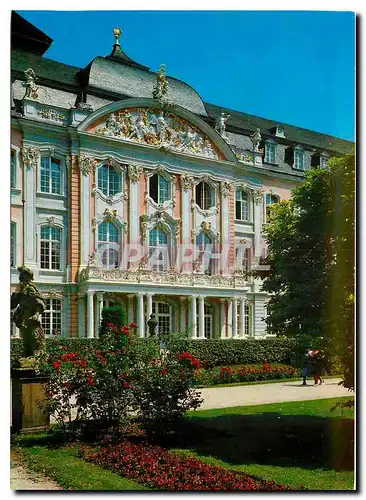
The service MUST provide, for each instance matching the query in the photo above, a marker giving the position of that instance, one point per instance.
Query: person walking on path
(317, 367)
(307, 365)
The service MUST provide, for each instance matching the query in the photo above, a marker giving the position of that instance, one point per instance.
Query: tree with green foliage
(311, 253)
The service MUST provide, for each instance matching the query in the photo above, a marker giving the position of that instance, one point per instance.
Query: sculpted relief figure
(256, 139)
(221, 124)
(28, 304)
(157, 128)
(29, 84)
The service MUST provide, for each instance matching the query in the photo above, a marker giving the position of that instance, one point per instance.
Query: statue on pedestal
(28, 304)
(152, 325)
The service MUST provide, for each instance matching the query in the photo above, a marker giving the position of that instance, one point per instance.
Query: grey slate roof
(240, 121)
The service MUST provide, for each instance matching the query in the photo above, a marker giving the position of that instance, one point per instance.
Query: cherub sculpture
(29, 84)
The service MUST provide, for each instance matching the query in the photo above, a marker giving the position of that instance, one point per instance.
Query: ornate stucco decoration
(187, 181)
(31, 89)
(206, 226)
(134, 171)
(51, 221)
(245, 157)
(51, 114)
(257, 195)
(227, 188)
(110, 215)
(160, 90)
(86, 164)
(155, 127)
(161, 220)
(256, 139)
(53, 294)
(220, 125)
(30, 157)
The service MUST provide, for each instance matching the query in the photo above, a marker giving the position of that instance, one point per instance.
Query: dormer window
(270, 152)
(299, 161)
(204, 196)
(160, 188)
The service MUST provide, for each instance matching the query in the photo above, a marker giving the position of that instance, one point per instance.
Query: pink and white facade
(118, 199)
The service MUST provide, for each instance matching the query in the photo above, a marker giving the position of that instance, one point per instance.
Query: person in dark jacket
(307, 366)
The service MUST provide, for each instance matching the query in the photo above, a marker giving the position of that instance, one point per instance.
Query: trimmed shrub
(114, 315)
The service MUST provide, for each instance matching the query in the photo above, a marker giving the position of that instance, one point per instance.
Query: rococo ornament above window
(157, 128)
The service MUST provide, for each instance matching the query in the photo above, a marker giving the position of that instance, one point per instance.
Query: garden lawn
(72, 473)
(300, 443)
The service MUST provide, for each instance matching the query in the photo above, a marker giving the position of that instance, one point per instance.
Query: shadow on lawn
(308, 442)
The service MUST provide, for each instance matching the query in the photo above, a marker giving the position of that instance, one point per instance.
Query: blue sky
(292, 67)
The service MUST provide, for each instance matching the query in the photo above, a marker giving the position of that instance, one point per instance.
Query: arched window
(205, 247)
(204, 196)
(159, 188)
(109, 180)
(108, 243)
(50, 247)
(51, 175)
(51, 317)
(163, 314)
(242, 205)
(158, 249)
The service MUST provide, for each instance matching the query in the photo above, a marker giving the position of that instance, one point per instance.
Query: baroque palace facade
(126, 187)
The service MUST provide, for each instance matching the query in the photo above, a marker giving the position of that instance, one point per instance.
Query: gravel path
(247, 395)
(24, 479)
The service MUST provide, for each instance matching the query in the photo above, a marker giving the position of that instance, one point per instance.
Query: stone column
(148, 306)
(235, 317)
(194, 316)
(183, 325)
(201, 312)
(98, 312)
(242, 318)
(230, 318)
(90, 315)
(81, 314)
(222, 319)
(130, 315)
(140, 314)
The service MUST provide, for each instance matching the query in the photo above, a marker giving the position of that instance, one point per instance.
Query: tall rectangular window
(13, 247)
(51, 317)
(241, 205)
(13, 169)
(50, 175)
(299, 159)
(248, 312)
(50, 247)
(270, 150)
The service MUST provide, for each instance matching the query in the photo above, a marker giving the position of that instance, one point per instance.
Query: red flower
(127, 385)
(57, 365)
(164, 370)
(125, 330)
(83, 363)
(133, 325)
(90, 381)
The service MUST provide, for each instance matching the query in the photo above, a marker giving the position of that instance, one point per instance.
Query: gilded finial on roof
(117, 33)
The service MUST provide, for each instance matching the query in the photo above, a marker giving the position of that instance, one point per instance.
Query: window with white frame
(270, 152)
(205, 247)
(107, 245)
(242, 207)
(205, 196)
(50, 247)
(13, 246)
(248, 319)
(207, 321)
(13, 169)
(163, 314)
(50, 175)
(109, 180)
(158, 249)
(270, 200)
(299, 162)
(51, 317)
(159, 188)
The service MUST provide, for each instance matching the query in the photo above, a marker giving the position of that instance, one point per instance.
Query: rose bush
(119, 380)
(158, 468)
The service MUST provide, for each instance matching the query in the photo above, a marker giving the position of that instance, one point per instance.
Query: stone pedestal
(26, 391)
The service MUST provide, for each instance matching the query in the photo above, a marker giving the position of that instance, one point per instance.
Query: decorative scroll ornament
(156, 128)
(160, 220)
(220, 125)
(257, 196)
(187, 181)
(110, 215)
(134, 172)
(206, 226)
(51, 221)
(86, 164)
(226, 188)
(160, 91)
(256, 139)
(53, 294)
(245, 156)
(31, 89)
(30, 157)
(52, 114)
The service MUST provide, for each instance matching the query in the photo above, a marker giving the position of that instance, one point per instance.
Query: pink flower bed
(158, 468)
